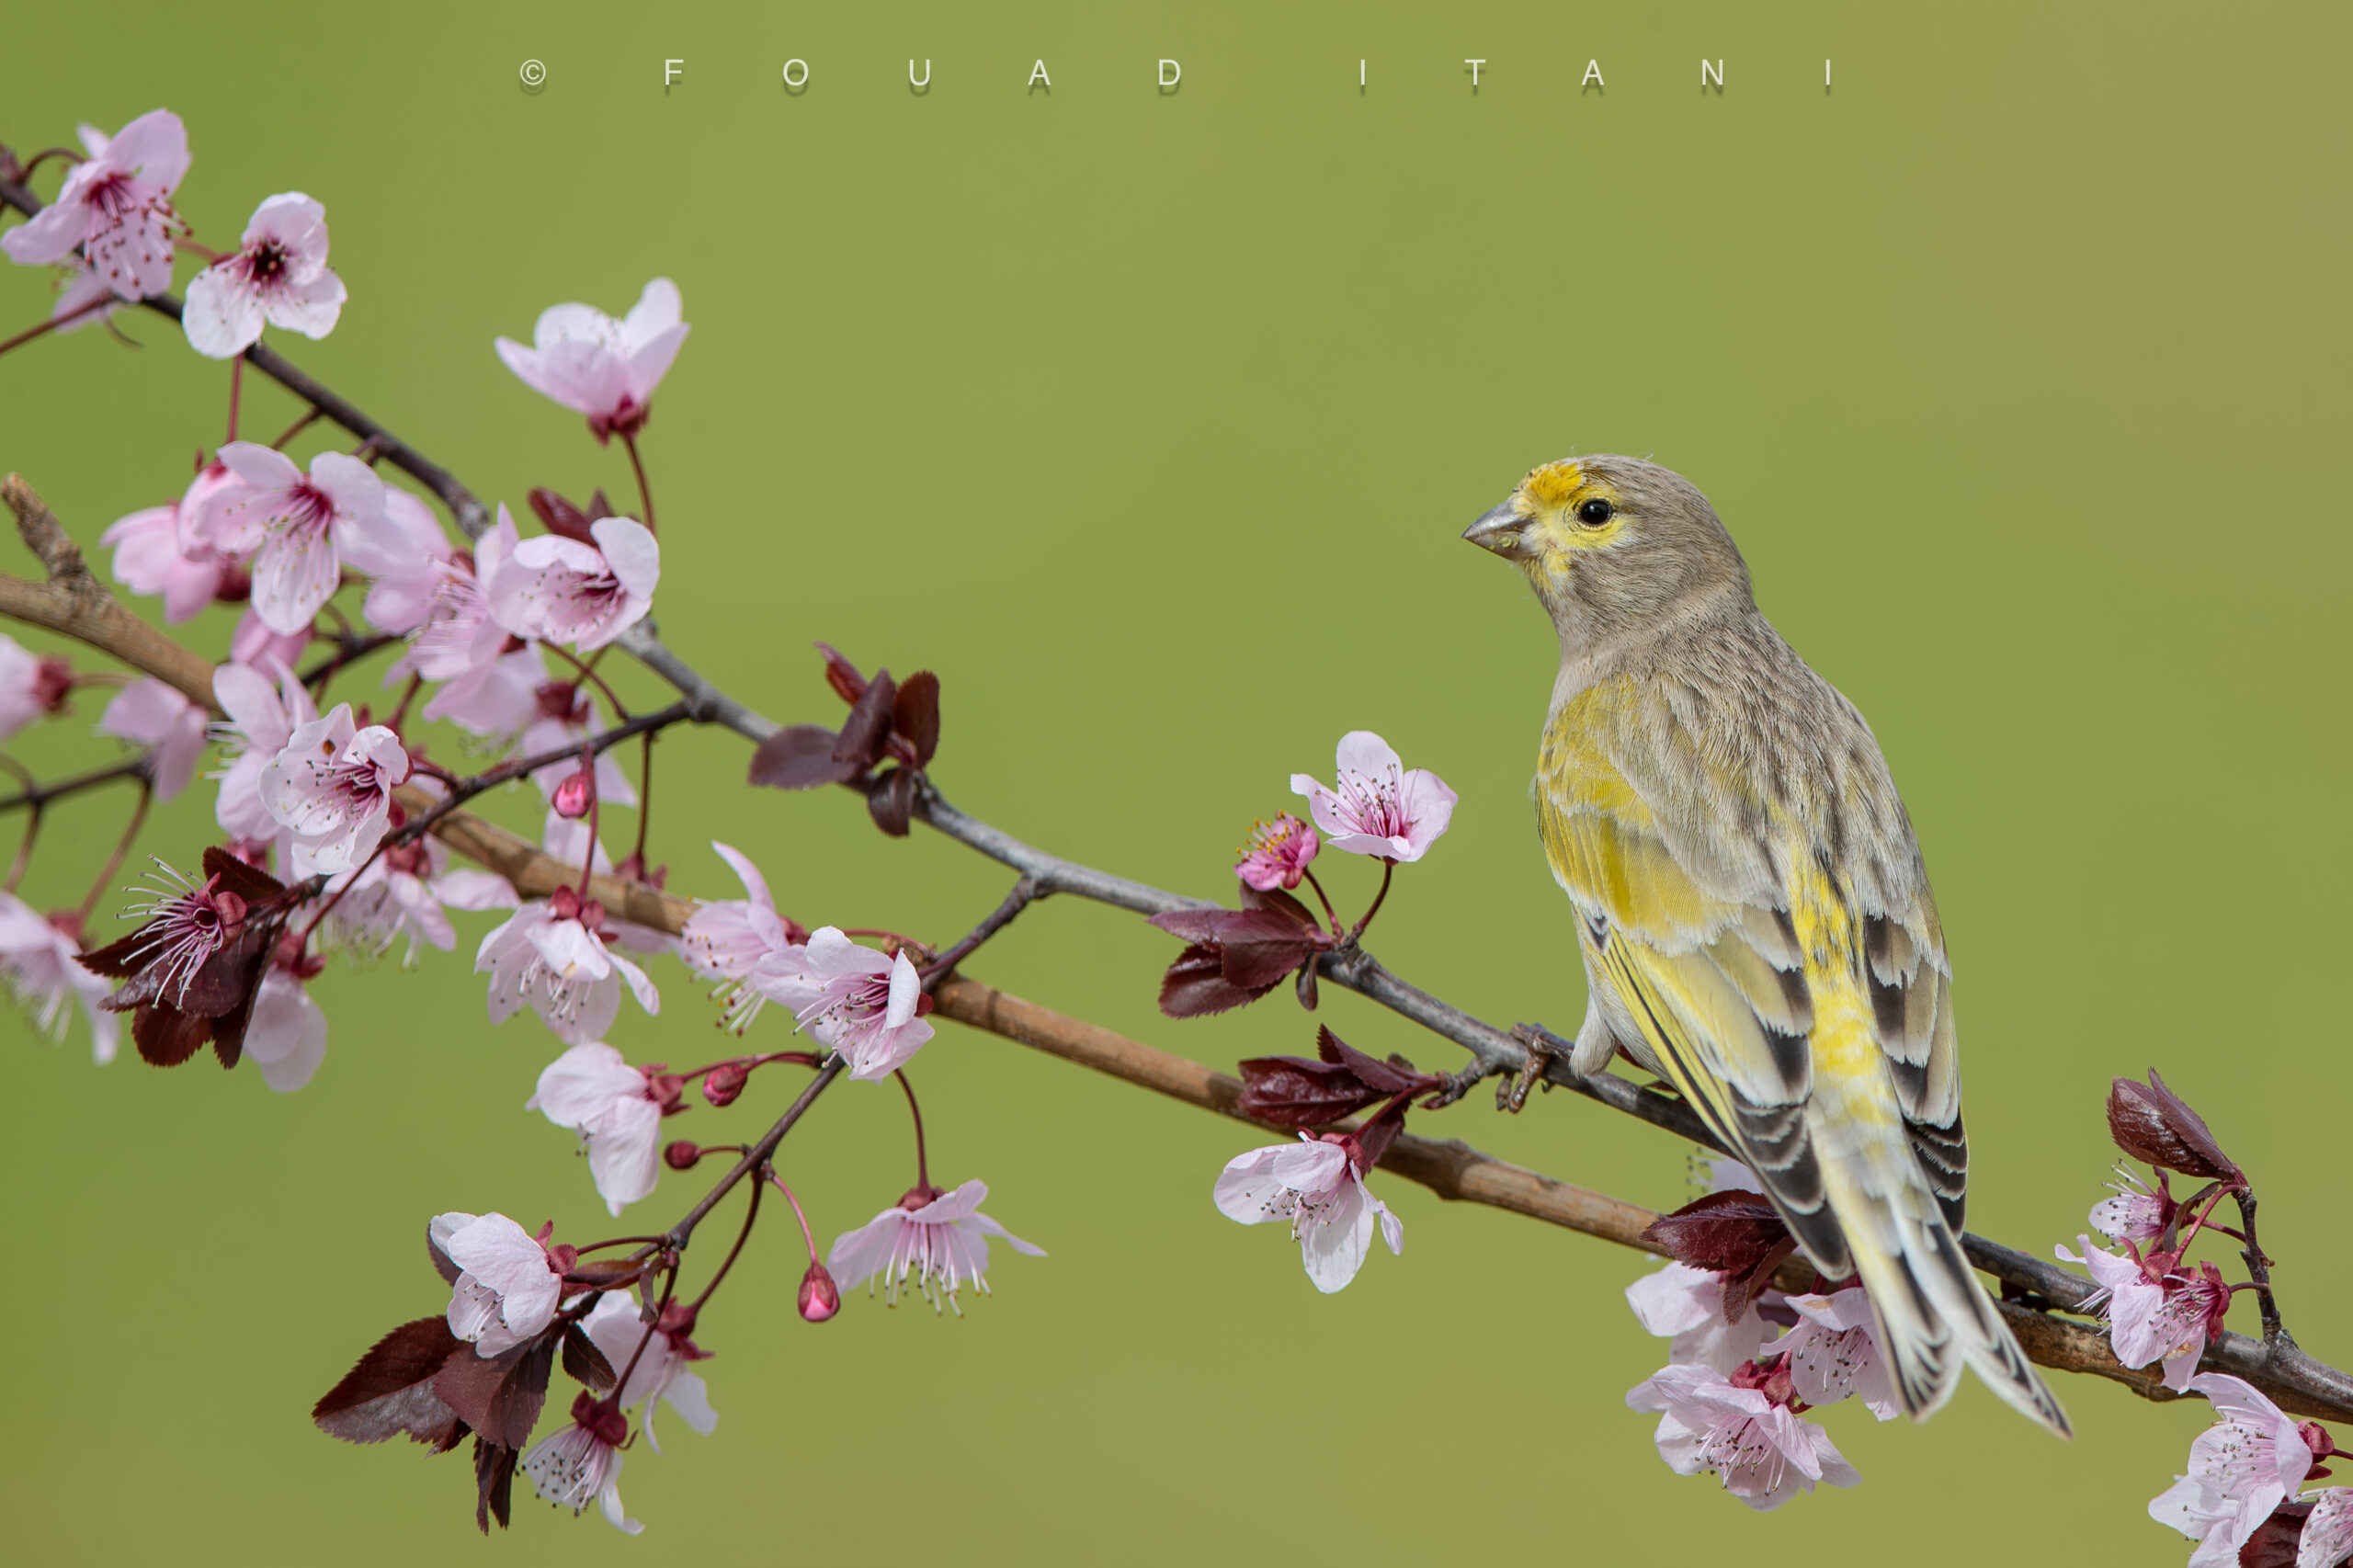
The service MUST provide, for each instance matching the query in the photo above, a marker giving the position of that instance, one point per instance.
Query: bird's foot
(1455, 1086)
(1541, 1053)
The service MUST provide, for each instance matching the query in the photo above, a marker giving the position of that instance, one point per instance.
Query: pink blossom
(1314, 1184)
(186, 924)
(287, 1038)
(2327, 1539)
(509, 1283)
(155, 715)
(279, 276)
(332, 788)
(155, 552)
(1378, 808)
(563, 591)
(39, 958)
(261, 719)
(1763, 1451)
(254, 643)
(604, 369)
(617, 1109)
(729, 940)
(566, 716)
(403, 561)
(491, 677)
(116, 205)
(853, 1000)
(2134, 1214)
(31, 685)
(580, 1463)
(294, 527)
(2242, 1467)
(2157, 1310)
(554, 955)
(401, 893)
(1686, 1305)
(941, 1238)
(1278, 853)
(1834, 1352)
(662, 1371)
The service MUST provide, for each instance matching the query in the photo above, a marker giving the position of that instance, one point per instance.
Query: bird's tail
(1932, 1313)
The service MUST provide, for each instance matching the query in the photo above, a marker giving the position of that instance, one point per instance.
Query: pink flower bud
(723, 1084)
(682, 1155)
(577, 793)
(820, 1299)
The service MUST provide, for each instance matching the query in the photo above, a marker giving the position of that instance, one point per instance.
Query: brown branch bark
(74, 603)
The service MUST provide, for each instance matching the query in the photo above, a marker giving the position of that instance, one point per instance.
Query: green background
(2015, 363)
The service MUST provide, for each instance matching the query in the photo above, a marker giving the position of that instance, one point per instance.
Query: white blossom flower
(1764, 1452)
(662, 1371)
(2242, 1467)
(331, 787)
(287, 1037)
(852, 999)
(509, 1283)
(278, 277)
(580, 1463)
(40, 961)
(116, 205)
(939, 1238)
(1316, 1186)
(604, 369)
(554, 955)
(155, 715)
(617, 1109)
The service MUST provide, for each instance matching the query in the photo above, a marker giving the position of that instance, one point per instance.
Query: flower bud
(723, 1083)
(577, 793)
(820, 1298)
(682, 1155)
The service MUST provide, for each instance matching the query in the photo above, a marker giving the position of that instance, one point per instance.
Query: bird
(1752, 907)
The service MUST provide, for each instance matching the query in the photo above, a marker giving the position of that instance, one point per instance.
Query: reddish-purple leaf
(584, 1363)
(842, 676)
(1728, 1232)
(801, 756)
(167, 1037)
(2151, 1122)
(249, 883)
(2278, 1539)
(494, 1482)
(390, 1390)
(892, 802)
(1256, 965)
(1382, 1077)
(915, 715)
(499, 1396)
(1196, 986)
(1382, 1132)
(1274, 900)
(1291, 1091)
(606, 1273)
(869, 725)
(559, 516)
(1741, 1291)
(1222, 928)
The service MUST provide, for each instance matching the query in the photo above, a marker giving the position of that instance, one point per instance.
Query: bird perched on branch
(1751, 903)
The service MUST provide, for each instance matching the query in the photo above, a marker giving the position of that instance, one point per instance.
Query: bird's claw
(1538, 1042)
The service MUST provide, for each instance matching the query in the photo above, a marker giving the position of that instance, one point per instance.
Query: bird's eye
(1593, 514)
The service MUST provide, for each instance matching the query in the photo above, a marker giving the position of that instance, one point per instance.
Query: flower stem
(588, 672)
(644, 798)
(588, 859)
(236, 392)
(645, 493)
(923, 1166)
(1323, 898)
(25, 850)
(808, 1239)
(1388, 870)
(407, 696)
(121, 848)
(751, 1213)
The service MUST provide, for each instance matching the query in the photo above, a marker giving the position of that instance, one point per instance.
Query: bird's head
(1615, 547)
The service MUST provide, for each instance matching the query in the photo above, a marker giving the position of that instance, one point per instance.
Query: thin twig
(1025, 893)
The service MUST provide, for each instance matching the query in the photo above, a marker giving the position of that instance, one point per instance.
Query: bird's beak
(1501, 530)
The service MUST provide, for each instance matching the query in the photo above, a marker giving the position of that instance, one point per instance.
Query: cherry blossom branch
(1025, 893)
(676, 1238)
(74, 602)
(38, 795)
(523, 767)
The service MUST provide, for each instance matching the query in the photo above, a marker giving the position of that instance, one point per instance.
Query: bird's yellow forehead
(1553, 486)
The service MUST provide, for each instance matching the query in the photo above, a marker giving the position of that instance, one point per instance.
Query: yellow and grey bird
(1752, 907)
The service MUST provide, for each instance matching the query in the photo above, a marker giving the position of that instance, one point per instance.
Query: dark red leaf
(2151, 1122)
(390, 1390)
(559, 516)
(584, 1363)
(494, 1482)
(915, 715)
(1196, 986)
(599, 507)
(869, 725)
(801, 756)
(892, 802)
(1277, 902)
(1729, 1233)
(2277, 1539)
(249, 883)
(1257, 965)
(1741, 1291)
(499, 1396)
(1383, 1077)
(165, 1036)
(1382, 1132)
(1291, 1091)
(608, 1273)
(1225, 926)
(842, 676)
